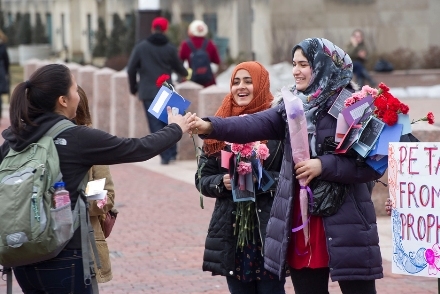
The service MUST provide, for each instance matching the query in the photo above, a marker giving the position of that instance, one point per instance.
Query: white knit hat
(198, 28)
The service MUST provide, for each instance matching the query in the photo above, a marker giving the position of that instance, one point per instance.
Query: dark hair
(158, 29)
(83, 116)
(38, 95)
(358, 31)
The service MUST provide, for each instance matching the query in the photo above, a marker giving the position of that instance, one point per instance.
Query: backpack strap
(204, 44)
(191, 45)
(193, 48)
(87, 238)
(59, 127)
(54, 131)
(8, 272)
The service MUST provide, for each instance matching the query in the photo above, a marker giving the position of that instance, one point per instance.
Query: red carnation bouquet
(383, 113)
(386, 107)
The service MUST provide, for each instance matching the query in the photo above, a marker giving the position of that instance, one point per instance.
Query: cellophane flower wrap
(248, 160)
(299, 142)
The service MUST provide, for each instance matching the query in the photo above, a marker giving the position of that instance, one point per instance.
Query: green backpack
(31, 230)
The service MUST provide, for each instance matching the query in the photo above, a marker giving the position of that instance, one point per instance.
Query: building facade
(270, 28)
(264, 30)
(70, 24)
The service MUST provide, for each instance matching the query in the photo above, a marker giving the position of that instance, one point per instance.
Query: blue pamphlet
(167, 97)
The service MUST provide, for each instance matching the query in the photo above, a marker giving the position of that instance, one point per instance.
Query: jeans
(60, 275)
(255, 287)
(315, 281)
(155, 125)
(361, 74)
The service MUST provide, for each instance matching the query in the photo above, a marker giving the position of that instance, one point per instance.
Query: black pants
(255, 287)
(156, 125)
(315, 281)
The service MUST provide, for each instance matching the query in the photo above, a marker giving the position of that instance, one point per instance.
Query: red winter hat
(160, 22)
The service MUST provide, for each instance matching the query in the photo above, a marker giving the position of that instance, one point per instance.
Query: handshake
(189, 123)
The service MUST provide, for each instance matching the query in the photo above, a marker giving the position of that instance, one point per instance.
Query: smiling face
(242, 88)
(302, 71)
(72, 100)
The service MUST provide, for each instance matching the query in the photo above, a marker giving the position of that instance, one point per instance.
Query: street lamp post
(147, 11)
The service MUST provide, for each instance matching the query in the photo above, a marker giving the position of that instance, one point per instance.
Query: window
(211, 21)
(49, 27)
(89, 32)
(187, 17)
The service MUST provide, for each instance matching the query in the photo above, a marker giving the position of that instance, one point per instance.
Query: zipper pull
(44, 171)
(34, 205)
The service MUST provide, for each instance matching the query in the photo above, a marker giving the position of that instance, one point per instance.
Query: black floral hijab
(332, 70)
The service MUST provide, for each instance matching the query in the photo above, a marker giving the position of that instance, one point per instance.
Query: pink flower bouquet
(299, 143)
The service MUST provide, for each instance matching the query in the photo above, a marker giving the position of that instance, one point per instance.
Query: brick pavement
(157, 242)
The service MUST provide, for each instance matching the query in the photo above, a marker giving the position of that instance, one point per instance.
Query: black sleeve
(177, 64)
(96, 147)
(132, 69)
(209, 178)
(6, 61)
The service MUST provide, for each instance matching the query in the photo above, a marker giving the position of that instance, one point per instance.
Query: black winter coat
(220, 245)
(149, 59)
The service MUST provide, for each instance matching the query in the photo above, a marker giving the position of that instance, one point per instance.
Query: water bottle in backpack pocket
(61, 213)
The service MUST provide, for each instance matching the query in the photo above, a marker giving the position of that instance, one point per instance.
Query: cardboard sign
(413, 173)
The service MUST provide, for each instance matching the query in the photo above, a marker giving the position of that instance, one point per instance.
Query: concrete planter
(26, 52)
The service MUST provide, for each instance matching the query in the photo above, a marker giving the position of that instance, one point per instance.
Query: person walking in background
(344, 245)
(359, 55)
(98, 213)
(150, 59)
(243, 266)
(201, 71)
(4, 69)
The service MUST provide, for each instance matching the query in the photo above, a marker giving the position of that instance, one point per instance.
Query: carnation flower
(404, 108)
(429, 118)
(383, 87)
(162, 81)
(244, 167)
(390, 117)
(236, 148)
(262, 152)
(367, 90)
(246, 151)
(349, 101)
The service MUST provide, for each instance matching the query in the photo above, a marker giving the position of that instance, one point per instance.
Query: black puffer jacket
(220, 246)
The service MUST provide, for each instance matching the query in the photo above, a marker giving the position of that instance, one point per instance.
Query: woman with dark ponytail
(51, 95)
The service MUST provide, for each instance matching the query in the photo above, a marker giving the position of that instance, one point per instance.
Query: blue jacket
(351, 234)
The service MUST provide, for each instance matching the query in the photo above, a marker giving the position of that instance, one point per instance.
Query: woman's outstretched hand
(200, 127)
(183, 121)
